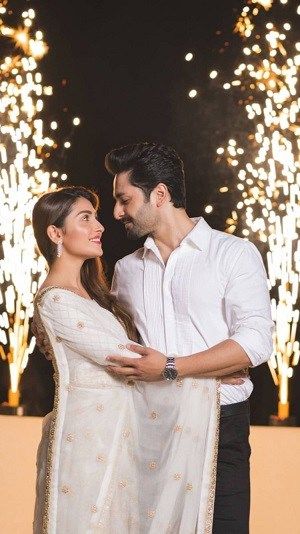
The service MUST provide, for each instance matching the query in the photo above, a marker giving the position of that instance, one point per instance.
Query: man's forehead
(121, 184)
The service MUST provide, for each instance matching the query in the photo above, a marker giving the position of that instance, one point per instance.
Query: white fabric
(116, 459)
(213, 287)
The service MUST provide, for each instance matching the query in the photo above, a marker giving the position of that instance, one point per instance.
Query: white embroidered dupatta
(160, 440)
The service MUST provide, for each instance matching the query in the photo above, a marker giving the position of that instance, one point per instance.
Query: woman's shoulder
(60, 295)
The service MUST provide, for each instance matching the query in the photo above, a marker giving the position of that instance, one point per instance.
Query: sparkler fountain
(267, 166)
(24, 150)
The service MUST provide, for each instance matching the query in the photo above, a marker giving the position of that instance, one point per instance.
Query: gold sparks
(267, 167)
(23, 177)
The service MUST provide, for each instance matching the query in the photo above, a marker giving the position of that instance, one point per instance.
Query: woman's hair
(52, 209)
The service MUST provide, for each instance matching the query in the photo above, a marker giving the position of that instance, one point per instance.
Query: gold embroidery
(178, 428)
(94, 508)
(100, 458)
(123, 483)
(49, 473)
(99, 407)
(152, 465)
(80, 325)
(154, 415)
(177, 476)
(70, 437)
(189, 487)
(126, 433)
(151, 513)
(65, 489)
(179, 382)
(211, 496)
(56, 298)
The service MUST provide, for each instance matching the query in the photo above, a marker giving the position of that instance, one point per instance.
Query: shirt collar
(198, 237)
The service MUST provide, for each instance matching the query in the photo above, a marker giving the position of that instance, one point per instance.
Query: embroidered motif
(70, 437)
(65, 489)
(123, 483)
(178, 428)
(151, 513)
(100, 408)
(94, 508)
(189, 487)
(154, 415)
(177, 476)
(126, 433)
(56, 298)
(100, 458)
(80, 325)
(152, 465)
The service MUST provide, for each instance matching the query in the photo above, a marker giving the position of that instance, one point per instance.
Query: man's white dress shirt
(213, 287)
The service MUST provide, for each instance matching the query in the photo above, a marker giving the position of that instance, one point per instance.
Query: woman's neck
(64, 273)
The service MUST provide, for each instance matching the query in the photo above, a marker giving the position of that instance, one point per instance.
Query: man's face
(131, 207)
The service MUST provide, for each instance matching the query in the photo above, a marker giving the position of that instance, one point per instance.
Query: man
(191, 286)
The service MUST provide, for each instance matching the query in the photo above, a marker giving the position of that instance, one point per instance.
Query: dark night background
(126, 78)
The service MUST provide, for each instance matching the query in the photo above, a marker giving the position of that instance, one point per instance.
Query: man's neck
(171, 231)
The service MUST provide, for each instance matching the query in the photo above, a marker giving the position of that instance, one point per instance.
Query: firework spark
(23, 177)
(267, 167)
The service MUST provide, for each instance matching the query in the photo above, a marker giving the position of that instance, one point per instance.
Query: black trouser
(232, 500)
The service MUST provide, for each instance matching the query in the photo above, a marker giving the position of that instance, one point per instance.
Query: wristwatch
(170, 372)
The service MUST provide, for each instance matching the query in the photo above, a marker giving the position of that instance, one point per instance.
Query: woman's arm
(72, 324)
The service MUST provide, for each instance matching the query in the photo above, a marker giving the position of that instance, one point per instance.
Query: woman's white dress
(115, 458)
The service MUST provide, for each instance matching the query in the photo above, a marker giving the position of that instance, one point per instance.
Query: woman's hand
(148, 368)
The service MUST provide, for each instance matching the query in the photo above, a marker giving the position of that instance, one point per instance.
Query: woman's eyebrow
(89, 212)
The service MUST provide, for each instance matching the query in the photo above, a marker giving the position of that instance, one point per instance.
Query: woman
(114, 458)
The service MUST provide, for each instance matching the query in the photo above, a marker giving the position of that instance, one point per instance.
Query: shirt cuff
(256, 346)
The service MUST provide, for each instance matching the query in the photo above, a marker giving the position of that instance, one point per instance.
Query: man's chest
(188, 285)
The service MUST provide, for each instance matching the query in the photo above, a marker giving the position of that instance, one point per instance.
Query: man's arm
(221, 360)
(247, 308)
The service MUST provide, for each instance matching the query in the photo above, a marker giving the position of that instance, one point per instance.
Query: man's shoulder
(224, 243)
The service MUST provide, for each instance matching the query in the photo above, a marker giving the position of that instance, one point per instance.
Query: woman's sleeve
(80, 330)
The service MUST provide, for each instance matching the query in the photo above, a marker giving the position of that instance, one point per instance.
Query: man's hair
(150, 164)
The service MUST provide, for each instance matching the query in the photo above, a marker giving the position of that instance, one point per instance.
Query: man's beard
(134, 231)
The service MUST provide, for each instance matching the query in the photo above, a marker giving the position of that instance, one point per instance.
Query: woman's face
(82, 231)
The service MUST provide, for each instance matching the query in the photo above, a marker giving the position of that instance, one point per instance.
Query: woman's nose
(100, 227)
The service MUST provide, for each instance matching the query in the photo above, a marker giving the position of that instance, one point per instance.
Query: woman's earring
(59, 249)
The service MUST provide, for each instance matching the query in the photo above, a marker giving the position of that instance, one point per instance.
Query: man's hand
(148, 368)
(235, 379)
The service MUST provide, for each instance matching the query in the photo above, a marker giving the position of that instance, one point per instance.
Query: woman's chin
(95, 254)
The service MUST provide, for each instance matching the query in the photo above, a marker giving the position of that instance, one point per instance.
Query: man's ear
(162, 194)
(54, 233)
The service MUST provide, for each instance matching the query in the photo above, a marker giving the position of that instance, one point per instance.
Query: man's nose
(118, 212)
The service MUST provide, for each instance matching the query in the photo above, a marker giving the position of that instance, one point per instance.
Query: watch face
(170, 373)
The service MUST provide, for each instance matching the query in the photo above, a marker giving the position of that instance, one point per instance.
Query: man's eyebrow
(119, 195)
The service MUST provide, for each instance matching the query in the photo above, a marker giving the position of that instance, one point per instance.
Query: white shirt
(213, 287)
